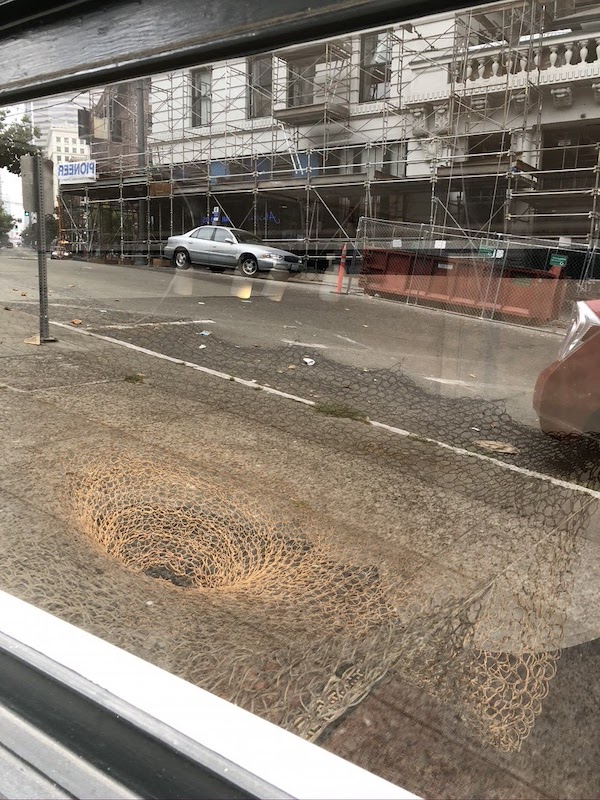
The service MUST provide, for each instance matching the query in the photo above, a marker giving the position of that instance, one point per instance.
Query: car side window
(222, 235)
(203, 233)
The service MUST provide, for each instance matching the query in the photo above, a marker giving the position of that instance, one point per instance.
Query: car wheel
(248, 266)
(181, 259)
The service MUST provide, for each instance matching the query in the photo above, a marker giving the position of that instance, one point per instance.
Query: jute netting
(289, 626)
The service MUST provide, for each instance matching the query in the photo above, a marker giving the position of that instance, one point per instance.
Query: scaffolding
(441, 122)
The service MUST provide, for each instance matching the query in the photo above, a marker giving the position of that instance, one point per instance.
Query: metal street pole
(38, 182)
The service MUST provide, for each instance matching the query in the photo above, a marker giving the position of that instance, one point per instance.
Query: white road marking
(512, 467)
(461, 451)
(215, 373)
(347, 339)
(306, 344)
(10, 388)
(154, 324)
(451, 381)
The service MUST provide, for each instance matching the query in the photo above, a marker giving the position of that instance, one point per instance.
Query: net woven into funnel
(288, 628)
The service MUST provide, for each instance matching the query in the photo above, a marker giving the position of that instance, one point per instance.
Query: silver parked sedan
(221, 248)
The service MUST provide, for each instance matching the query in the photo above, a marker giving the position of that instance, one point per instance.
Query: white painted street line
(347, 339)
(10, 388)
(198, 367)
(153, 324)
(472, 454)
(451, 382)
(461, 451)
(305, 344)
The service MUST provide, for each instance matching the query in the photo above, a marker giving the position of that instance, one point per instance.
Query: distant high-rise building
(52, 112)
(63, 144)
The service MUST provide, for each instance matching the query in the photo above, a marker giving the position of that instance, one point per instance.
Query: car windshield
(352, 486)
(245, 237)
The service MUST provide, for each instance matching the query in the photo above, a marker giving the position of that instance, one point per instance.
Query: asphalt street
(383, 443)
(448, 355)
(452, 378)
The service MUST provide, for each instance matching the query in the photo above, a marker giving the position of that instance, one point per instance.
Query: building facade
(487, 119)
(63, 144)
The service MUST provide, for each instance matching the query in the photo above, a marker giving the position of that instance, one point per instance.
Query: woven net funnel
(289, 628)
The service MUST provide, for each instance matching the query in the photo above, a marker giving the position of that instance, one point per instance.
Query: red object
(567, 392)
(464, 283)
(341, 270)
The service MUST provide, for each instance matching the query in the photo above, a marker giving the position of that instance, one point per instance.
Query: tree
(6, 224)
(30, 233)
(15, 141)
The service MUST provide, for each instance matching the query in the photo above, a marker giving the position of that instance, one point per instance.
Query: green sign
(557, 260)
(489, 252)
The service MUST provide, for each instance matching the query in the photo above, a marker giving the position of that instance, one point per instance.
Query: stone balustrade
(488, 66)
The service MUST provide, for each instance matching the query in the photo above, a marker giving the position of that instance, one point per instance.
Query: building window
(301, 84)
(201, 96)
(59, 158)
(59, 149)
(376, 66)
(260, 79)
(81, 150)
(67, 150)
(116, 131)
(73, 141)
(116, 107)
(58, 138)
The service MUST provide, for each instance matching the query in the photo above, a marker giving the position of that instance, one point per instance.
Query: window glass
(376, 57)
(203, 233)
(223, 235)
(353, 487)
(245, 237)
(260, 86)
(201, 96)
(301, 83)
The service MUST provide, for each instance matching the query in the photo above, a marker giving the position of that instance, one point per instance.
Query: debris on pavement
(23, 294)
(202, 347)
(7, 308)
(495, 446)
(205, 333)
(76, 322)
(33, 340)
(291, 366)
(310, 362)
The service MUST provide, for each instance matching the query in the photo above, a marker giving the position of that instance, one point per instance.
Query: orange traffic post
(341, 270)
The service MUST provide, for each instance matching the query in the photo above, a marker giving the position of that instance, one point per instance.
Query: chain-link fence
(493, 276)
